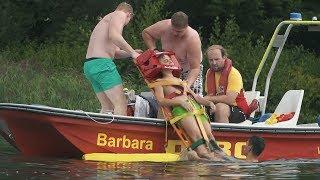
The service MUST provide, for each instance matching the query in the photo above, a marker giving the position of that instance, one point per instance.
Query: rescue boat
(37, 130)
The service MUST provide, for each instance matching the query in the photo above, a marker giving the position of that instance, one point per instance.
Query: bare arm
(153, 33)
(194, 56)
(200, 99)
(229, 98)
(117, 23)
(121, 54)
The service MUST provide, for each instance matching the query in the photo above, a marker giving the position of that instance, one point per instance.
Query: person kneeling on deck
(223, 86)
(174, 94)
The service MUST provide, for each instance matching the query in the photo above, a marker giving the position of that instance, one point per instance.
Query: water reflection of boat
(47, 131)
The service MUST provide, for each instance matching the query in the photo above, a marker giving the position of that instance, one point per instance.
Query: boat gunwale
(104, 118)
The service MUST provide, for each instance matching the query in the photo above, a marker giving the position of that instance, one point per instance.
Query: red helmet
(151, 68)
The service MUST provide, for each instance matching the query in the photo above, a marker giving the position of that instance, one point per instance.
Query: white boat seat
(290, 102)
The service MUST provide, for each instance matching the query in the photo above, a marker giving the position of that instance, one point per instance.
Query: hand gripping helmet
(150, 67)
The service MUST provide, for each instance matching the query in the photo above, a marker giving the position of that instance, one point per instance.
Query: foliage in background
(42, 53)
(40, 20)
(27, 82)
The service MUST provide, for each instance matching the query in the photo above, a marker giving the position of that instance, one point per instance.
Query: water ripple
(15, 166)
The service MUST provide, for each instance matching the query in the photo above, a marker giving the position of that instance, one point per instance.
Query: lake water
(15, 166)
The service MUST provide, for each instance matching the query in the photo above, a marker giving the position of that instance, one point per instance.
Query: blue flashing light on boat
(295, 16)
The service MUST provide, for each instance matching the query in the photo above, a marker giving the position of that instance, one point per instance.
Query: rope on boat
(166, 135)
(110, 113)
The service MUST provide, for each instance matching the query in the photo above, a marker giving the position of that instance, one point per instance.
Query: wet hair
(125, 7)
(257, 144)
(221, 48)
(179, 20)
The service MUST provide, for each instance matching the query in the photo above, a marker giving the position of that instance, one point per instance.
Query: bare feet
(192, 155)
(203, 152)
(223, 156)
(189, 155)
(211, 157)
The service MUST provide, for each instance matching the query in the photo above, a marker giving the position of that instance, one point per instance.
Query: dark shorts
(236, 115)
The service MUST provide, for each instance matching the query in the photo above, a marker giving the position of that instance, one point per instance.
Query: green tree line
(43, 44)
(41, 20)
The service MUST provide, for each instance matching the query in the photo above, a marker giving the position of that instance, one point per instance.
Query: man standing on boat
(223, 84)
(176, 35)
(106, 44)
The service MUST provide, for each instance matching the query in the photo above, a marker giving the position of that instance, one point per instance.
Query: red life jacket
(285, 117)
(242, 104)
(223, 81)
(222, 88)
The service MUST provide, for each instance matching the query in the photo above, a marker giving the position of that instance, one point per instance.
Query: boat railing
(277, 41)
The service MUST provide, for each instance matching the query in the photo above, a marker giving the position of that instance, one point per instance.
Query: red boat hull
(35, 135)
(62, 135)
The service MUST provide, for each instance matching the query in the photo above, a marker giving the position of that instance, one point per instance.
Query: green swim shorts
(102, 73)
(178, 111)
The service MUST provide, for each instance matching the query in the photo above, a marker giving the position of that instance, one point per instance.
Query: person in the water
(253, 149)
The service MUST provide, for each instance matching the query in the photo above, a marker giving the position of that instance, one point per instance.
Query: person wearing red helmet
(162, 71)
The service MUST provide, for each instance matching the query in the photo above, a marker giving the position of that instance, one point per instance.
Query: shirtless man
(106, 43)
(176, 35)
